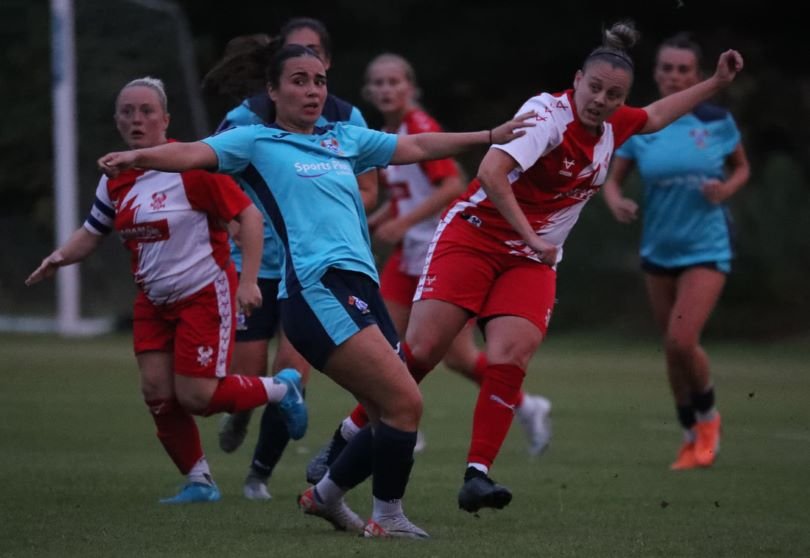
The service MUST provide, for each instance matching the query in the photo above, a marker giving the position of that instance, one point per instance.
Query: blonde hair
(152, 83)
(407, 68)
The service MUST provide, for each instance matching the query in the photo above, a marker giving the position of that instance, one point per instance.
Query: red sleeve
(216, 194)
(419, 122)
(626, 122)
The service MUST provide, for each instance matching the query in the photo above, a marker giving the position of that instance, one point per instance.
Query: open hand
(512, 129)
(624, 210)
(46, 269)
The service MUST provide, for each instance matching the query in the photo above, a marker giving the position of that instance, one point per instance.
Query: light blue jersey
(680, 226)
(249, 112)
(306, 187)
(240, 115)
(259, 109)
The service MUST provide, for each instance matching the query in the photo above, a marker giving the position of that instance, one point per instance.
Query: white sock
(480, 466)
(275, 390)
(348, 428)
(689, 436)
(383, 508)
(525, 406)
(200, 472)
(327, 491)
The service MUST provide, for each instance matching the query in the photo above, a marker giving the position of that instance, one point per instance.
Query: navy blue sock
(686, 416)
(353, 465)
(703, 401)
(273, 439)
(336, 447)
(393, 460)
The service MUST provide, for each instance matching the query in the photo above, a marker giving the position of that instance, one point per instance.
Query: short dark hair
(315, 25)
(682, 41)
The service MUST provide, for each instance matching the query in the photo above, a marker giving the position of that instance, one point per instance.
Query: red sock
(178, 432)
(417, 371)
(494, 411)
(359, 416)
(478, 374)
(236, 393)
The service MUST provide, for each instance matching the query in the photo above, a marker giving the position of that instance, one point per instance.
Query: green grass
(81, 470)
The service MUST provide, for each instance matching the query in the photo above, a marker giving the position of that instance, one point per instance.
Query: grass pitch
(81, 470)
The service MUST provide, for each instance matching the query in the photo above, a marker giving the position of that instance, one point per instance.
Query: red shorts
(474, 272)
(199, 330)
(395, 285)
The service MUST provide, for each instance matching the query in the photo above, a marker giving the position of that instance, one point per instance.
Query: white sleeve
(535, 142)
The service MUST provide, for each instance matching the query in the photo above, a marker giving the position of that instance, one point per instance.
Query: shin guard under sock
(393, 461)
(178, 432)
(236, 393)
(494, 411)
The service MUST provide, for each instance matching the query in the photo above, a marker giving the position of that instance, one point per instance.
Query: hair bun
(622, 35)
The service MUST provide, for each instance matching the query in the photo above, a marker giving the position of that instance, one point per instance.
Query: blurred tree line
(476, 63)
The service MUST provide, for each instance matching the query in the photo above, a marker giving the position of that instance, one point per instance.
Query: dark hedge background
(476, 62)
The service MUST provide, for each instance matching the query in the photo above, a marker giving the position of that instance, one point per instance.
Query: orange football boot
(686, 458)
(707, 441)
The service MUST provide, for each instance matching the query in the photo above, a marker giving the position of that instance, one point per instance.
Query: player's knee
(424, 353)
(194, 401)
(153, 390)
(516, 354)
(514, 349)
(680, 346)
(405, 410)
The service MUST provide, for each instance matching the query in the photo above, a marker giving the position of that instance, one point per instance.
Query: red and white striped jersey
(560, 166)
(172, 223)
(410, 185)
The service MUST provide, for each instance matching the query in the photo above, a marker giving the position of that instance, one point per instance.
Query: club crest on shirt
(567, 163)
(359, 304)
(700, 135)
(332, 145)
(158, 200)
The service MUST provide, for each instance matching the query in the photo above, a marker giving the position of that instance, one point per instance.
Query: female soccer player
(184, 315)
(242, 72)
(689, 169)
(496, 251)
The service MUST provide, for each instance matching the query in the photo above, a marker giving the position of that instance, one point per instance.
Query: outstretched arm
(668, 109)
(493, 174)
(438, 145)
(81, 244)
(169, 157)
